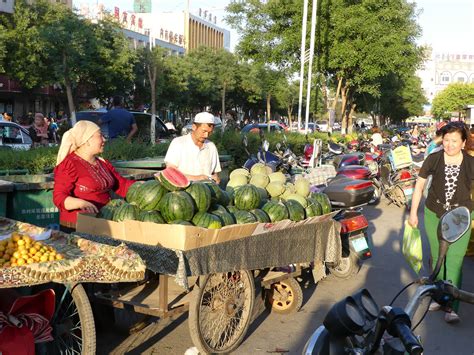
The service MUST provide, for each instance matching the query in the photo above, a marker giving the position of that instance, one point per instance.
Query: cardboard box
(171, 236)
(180, 237)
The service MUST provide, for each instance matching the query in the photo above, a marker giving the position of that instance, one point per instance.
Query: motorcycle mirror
(265, 145)
(451, 227)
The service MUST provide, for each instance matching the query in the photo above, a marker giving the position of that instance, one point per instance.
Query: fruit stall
(220, 248)
(207, 250)
(34, 261)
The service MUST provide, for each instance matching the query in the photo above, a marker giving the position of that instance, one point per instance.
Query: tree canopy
(453, 99)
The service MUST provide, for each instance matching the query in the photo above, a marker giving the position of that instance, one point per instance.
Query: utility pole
(302, 60)
(310, 65)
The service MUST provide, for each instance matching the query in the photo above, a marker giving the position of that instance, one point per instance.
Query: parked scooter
(355, 325)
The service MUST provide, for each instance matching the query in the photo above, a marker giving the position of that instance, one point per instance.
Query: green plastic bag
(412, 249)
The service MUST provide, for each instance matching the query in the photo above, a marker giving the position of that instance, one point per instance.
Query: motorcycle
(355, 325)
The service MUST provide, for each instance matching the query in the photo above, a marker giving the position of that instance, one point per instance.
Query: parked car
(323, 125)
(143, 122)
(256, 127)
(14, 136)
(187, 128)
(336, 126)
(312, 127)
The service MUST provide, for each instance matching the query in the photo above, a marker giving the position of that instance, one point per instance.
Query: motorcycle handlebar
(409, 340)
(463, 296)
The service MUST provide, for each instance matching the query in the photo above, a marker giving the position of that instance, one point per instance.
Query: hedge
(43, 159)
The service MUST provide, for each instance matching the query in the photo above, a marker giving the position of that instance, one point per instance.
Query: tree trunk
(343, 109)
(338, 90)
(70, 101)
(152, 80)
(349, 119)
(289, 111)
(269, 98)
(223, 107)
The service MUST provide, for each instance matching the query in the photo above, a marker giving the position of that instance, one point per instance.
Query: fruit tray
(62, 258)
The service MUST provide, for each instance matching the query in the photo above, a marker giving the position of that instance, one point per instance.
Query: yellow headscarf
(75, 137)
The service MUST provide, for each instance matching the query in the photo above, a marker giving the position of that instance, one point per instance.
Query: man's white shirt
(192, 160)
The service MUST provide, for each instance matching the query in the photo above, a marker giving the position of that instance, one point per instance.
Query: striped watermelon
(180, 221)
(232, 209)
(177, 205)
(295, 210)
(132, 191)
(276, 211)
(217, 196)
(149, 195)
(126, 212)
(247, 198)
(151, 216)
(207, 220)
(172, 179)
(313, 208)
(107, 212)
(116, 202)
(201, 195)
(323, 200)
(261, 215)
(226, 217)
(242, 217)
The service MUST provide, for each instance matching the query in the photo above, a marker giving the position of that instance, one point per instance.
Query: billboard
(142, 6)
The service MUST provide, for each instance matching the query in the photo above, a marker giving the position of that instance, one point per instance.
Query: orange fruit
(2, 247)
(27, 238)
(33, 251)
(30, 261)
(16, 254)
(44, 258)
(59, 256)
(7, 264)
(10, 245)
(21, 262)
(36, 258)
(20, 242)
(6, 256)
(16, 237)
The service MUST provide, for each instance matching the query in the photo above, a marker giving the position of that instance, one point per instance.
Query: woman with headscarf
(82, 180)
(39, 131)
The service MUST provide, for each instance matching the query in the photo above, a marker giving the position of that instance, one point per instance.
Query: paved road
(384, 275)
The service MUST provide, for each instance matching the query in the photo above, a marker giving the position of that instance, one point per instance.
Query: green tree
(48, 43)
(3, 51)
(287, 96)
(453, 99)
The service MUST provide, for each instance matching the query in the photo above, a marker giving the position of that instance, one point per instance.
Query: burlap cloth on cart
(319, 242)
(85, 261)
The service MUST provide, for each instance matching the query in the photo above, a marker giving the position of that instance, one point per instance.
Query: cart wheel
(220, 311)
(347, 267)
(73, 323)
(285, 297)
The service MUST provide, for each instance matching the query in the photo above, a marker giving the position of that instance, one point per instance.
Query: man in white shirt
(193, 154)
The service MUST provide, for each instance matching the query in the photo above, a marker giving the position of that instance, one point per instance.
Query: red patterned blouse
(76, 177)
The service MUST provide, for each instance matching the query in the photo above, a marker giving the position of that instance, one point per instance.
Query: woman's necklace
(453, 160)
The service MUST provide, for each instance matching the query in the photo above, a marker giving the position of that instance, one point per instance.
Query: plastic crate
(31, 200)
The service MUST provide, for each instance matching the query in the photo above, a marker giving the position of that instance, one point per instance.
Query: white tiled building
(442, 69)
(7, 6)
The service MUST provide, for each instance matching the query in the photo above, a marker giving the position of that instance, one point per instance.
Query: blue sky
(448, 25)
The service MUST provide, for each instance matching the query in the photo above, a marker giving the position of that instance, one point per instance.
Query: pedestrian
(452, 170)
(40, 132)
(193, 154)
(120, 122)
(83, 180)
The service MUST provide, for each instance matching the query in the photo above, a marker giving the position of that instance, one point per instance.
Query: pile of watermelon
(279, 198)
(251, 196)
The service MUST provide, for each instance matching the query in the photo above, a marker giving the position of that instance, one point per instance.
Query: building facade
(442, 69)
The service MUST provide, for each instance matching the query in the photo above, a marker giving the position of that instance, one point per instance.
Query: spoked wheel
(220, 311)
(347, 267)
(72, 322)
(285, 297)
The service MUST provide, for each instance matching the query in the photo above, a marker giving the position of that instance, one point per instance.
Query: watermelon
(151, 216)
(261, 215)
(218, 208)
(216, 193)
(172, 179)
(323, 200)
(116, 202)
(126, 212)
(296, 197)
(276, 211)
(226, 217)
(201, 195)
(263, 195)
(313, 208)
(232, 209)
(132, 191)
(148, 195)
(247, 198)
(180, 221)
(177, 205)
(207, 220)
(295, 210)
(107, 212)
(242, 217)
